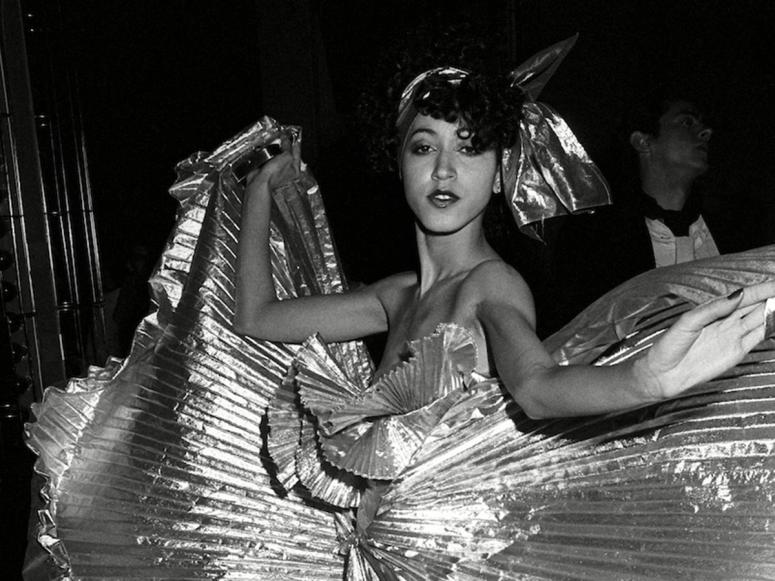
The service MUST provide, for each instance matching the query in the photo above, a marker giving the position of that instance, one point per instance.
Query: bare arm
(258, 313)
(702, 344)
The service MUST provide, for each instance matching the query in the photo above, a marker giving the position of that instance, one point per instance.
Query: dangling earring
(497, 183)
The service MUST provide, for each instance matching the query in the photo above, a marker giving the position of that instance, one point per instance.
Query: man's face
(682, 142)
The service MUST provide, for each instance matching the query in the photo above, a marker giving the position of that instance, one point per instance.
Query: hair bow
(548, 173)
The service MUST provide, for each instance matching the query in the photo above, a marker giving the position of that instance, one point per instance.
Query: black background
(160, 80)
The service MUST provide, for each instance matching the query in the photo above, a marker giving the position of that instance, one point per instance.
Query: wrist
(257, 186)
(648, 381)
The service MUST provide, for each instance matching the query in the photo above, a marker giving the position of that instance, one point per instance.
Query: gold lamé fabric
(169, 466)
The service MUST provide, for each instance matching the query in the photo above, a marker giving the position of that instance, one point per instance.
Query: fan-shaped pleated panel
(374, 432)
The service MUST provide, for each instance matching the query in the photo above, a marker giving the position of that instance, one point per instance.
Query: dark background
(160, 80)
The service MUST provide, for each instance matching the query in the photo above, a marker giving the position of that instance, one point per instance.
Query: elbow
(535, 410)
(527, 397)
(238, 328)
(256, 325)
(243, 326)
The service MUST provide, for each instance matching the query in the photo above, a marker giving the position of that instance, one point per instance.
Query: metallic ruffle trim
(370, 433)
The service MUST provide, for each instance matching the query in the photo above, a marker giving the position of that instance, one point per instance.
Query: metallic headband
(547, 173)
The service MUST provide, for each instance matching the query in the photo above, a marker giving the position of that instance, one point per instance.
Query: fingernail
(735, 294)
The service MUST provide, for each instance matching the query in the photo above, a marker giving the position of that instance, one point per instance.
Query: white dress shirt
(670, 249)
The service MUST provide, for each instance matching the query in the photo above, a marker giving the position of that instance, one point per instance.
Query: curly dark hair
(487, 108)
(430, 45)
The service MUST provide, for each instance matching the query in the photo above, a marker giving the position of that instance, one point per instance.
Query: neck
(444, 256)
(670, 189)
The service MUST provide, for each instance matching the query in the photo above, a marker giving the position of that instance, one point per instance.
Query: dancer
(453, 128)
(172, 465)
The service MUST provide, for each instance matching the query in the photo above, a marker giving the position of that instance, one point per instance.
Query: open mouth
(442, 198)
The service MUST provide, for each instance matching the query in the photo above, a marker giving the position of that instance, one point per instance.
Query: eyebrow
(424, 130)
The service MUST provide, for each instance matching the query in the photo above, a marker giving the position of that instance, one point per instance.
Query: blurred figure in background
(663, 224)
(656, 219)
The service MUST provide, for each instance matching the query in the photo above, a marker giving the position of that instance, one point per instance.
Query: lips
(442, 198)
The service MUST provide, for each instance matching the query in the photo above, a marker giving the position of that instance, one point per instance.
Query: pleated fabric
(164, 465)
(157, 466)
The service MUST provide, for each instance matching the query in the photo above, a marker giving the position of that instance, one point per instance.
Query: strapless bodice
(369, 432)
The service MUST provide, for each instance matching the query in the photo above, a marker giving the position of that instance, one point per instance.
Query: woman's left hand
(706, 341)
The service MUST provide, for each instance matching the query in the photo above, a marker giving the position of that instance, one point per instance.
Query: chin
(697, 166)
(440, 228)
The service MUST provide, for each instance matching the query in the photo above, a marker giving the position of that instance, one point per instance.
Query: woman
(453, 127)
(159, 468)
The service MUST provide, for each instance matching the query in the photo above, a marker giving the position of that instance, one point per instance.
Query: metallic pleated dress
(206, 455)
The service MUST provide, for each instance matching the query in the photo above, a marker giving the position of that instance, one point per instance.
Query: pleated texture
(156, 467)
(680, 490)
(374, 432)
(616, 314)
(161, 467)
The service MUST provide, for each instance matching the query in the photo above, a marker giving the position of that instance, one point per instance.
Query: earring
(496, 185)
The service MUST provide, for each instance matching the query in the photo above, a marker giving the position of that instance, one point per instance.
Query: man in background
(656, 218)
(664, 224)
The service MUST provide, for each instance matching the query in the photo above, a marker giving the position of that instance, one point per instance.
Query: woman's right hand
(278, 170)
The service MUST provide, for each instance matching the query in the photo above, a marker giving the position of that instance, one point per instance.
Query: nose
(444, 168)
(705, 134)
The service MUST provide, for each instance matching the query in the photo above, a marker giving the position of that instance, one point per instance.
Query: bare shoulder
(495, 278)
(394, 288)
(396, 282)
(494, 283)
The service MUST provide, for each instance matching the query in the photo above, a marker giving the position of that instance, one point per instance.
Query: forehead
(425, 124)
(679, 108)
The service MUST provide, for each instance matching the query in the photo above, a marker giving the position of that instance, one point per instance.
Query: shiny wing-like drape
(160, 466)
(155, 465)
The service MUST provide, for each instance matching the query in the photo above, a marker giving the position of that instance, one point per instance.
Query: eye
(689, 121)
(468, 149)
(420, 148)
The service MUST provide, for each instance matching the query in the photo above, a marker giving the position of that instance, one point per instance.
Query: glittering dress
(205, 455)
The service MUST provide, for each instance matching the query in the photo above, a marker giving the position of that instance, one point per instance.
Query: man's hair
(642, 113)
(647, 109)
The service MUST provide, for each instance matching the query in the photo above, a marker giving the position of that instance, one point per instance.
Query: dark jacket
(596, 253)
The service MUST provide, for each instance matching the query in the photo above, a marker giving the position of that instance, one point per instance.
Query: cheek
(412, 174)
(484, 177)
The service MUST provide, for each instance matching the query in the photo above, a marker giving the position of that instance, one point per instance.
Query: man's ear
(640, 141)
